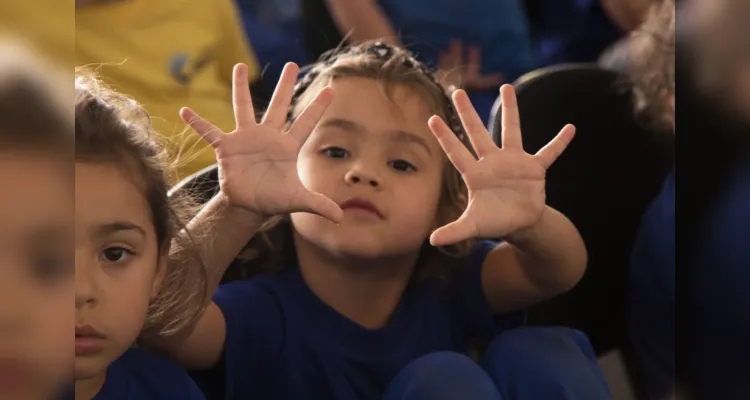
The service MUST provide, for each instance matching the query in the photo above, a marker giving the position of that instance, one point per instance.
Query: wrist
(239, 214)
(524, 235)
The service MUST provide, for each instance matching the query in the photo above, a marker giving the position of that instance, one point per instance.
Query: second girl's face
(376, 149)
(36, 274)
(116, 265)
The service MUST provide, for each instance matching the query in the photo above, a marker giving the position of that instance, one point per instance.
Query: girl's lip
(361, 203)
(88, 331)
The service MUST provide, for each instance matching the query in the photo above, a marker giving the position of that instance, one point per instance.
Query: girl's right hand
(258, 161)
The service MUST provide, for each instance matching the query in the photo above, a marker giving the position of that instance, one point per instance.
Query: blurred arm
(362, 20)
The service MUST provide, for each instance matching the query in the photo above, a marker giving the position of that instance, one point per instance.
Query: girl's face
(36, 274)
(380, 150)
(117, 264)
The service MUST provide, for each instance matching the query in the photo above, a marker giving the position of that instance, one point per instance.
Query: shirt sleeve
(254, 332)
(474, 311)
(234, 46)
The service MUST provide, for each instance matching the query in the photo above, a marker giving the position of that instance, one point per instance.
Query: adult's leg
(545, 363)
(442, 375)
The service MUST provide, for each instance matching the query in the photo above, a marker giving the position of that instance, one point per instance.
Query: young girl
(36, 218)
(124, 224)
(380, 293)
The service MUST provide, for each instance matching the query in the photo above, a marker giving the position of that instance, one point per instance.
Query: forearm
(552, 253)
(362, 20)
(219, 232)
(212, 240)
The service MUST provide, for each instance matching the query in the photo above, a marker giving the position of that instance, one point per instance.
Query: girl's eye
(336, 152)
(52, 267)
(401, 165)
(115, 255)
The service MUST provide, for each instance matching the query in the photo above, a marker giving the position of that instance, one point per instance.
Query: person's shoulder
(155, 377)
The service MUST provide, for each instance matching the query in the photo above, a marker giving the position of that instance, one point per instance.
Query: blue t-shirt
(138, 375)
(651, 298)
(498, 27)
(283, 342)
(720, 295)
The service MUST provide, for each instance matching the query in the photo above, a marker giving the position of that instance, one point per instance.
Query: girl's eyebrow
(408, 137)
(117, 226)
(51, 233)
(353, 127)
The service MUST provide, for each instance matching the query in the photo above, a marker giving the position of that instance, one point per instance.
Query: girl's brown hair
(111, 128)
(272, 248)
(652, 61)
(35, 103)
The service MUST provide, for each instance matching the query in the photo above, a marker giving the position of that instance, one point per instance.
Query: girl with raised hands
(364, 231)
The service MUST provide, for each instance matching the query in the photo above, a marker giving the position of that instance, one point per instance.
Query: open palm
(258, 161)
(506, 185)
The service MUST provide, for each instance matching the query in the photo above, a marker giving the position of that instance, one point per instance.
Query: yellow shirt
(169, 54)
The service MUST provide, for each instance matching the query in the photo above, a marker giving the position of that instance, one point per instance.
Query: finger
(511, 122)
(457, 153)
(304, 124)
(210, 133)
(282, 97)
(455, 49)
(552, 150)
(457, 231)
(244, 114)
(478, 135)
(474, 63)
(474, 57)
(449, 61)
(319, 204)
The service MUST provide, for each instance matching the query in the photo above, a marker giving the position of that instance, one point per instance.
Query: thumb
(452, 233)
(317, 203)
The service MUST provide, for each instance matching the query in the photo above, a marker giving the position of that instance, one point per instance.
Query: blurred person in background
(651, 284)
(168, 54)
(628, 15)
(709, 357)
(476, 44)
(36, 227)
(273, 27)
(572, 31)
(47, 24)
(717, 350)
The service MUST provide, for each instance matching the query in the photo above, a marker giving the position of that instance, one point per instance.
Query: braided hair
(272, 248)
(383, 53)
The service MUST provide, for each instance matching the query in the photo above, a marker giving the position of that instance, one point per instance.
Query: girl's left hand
(506, 185)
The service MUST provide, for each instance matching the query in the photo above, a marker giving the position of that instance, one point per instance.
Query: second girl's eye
(115, 255)
(52, 267)
(335, 152)
(402, 165)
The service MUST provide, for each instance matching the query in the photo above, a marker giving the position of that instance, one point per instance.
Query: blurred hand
(461, 69)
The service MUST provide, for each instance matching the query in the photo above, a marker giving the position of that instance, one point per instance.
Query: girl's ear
(161, 269)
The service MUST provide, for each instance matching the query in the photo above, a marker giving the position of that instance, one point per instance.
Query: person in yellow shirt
(46, 26)
(168, 54)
